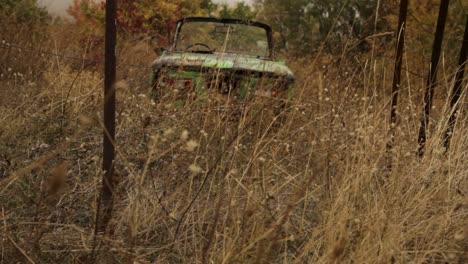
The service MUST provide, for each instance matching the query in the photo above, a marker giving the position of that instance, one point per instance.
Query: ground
(223, 182)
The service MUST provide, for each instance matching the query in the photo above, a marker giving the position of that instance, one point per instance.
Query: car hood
(225, 61)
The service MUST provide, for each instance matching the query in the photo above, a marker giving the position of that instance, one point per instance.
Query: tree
(209, 6)
(303, 24)
(241, 10)
(22, 22)
(141, 17)
(422, 20)
(354, 19)
(294, 21)
(23, 12)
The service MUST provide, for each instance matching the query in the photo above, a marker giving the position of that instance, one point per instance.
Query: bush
(23, 12)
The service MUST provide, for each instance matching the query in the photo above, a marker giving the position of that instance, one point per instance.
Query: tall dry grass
(208, 183)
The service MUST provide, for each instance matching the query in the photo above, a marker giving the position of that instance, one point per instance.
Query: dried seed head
(58, 176)
(451, 256)
(145, 122)
(338, 249)
(84, 121)
(191, 145)
(195, 169)
(122, 84)
(250, 210)
(168, 132)
(154, 139)
(184, 135)
(459, 236)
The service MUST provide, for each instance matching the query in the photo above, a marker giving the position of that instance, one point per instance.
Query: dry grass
(315, 189)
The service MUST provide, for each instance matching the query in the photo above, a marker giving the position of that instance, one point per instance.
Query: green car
(233, 57)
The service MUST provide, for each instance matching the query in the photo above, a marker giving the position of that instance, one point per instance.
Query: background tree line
(301, 27)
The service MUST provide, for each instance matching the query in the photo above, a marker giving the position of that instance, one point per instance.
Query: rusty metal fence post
(432, 76)
(109, 116)
(400, 33)
(457, 89)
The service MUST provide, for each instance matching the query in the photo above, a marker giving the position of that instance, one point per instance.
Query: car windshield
(209, 37)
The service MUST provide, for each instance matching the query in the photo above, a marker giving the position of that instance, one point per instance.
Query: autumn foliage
(153, 17)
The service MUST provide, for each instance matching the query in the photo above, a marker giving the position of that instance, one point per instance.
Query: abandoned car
(230, 56)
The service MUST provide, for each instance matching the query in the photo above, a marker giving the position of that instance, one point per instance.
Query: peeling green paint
(224, 61)
(183, 74)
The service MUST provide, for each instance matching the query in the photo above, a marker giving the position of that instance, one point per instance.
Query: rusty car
(230, 56)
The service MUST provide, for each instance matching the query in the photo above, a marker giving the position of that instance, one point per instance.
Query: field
(222, 184)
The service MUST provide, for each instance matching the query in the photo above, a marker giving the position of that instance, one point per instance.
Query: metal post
(457, 88)
(397, 72)
(431, 80)
(109, 115)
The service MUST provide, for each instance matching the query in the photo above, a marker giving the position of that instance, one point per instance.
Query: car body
(233, 56)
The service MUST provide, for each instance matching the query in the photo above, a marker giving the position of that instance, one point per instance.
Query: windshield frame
(266, 27)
